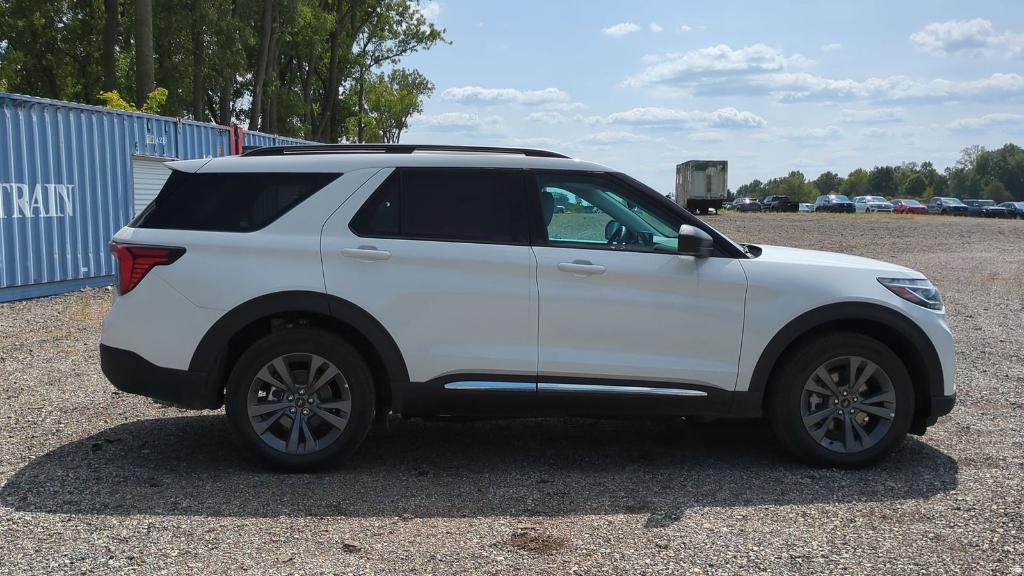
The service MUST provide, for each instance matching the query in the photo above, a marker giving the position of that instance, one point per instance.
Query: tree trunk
(144, 74)
(330, 92)
(198, 63)
(261, 65)
(109, 45)
(361, 106)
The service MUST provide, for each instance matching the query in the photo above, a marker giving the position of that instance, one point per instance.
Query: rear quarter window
(228, 201)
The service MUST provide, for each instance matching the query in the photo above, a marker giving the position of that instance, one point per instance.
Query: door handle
(581, 268)
(366, 253)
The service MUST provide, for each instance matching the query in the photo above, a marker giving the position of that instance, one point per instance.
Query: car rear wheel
(844, 400)
(300, 399)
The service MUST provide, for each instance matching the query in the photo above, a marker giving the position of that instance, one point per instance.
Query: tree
(882, 181)
(856, 183)
(996, 191)
(752, 189)
(306, 74)
(110, 30)
(915, 187)
(145, 79)
(392, 100)
(828, 183)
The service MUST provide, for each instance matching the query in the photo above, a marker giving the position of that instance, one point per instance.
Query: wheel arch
(890, 327)
(246, 323)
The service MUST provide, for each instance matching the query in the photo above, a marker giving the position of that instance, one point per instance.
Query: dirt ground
(95, 481)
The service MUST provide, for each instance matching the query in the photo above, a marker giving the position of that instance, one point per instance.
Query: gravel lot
(100, 482)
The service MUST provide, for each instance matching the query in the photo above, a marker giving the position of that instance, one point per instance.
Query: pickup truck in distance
(780, 203)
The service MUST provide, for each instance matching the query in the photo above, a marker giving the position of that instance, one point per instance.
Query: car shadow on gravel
(189, 466)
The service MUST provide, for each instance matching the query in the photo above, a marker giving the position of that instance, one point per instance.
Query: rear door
(441, 258)
(626, 322)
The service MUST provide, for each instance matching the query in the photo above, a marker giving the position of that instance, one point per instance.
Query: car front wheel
(843, 400)
(300, 399)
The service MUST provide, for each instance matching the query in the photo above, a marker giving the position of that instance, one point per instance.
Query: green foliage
(979, 173)
(996, 191)
(154, 102)
(390, 101)
(324, 60)
(828, 183)
(915, 186)
(857, 183)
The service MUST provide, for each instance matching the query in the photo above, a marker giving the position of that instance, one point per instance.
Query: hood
(832, 259)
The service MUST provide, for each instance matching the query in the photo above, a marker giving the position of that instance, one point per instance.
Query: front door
(623, 317)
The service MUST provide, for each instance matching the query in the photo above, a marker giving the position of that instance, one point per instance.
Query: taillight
(134, 261)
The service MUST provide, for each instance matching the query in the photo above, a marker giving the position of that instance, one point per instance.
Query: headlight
(920, 292)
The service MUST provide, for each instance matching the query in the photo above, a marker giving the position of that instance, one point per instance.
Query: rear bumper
(132, 373)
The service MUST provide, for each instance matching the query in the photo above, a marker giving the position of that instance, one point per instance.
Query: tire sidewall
(787, 390)
(298, 341)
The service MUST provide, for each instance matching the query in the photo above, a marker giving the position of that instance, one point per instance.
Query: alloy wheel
(848, 404)
(299, 403)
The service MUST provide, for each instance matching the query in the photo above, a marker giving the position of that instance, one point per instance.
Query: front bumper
(937, 407)
(132, 373)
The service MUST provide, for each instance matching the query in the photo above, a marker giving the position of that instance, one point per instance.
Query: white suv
(312, 290)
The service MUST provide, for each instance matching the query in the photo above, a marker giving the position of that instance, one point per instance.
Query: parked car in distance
(908, 206)
(984, 208)
(834, 203)
(947, 206)
(746, 205)
(872, 204)
(1014, 209)
(806, 207)
(638, 309)
(779, 203)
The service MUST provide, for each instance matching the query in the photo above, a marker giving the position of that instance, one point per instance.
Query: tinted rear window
(461, 205)
(228, 201)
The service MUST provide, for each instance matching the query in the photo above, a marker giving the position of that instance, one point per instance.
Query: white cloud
(756, 70)
(832, 47)
(620, 29)
(872, 116)
(458, 122)
(430, 10)
(655, 27)
(671, 119)
(988, 121)
(484, 96)
(548, 117)
(612, 137)
(976, 37)
(685, 28)
(824, 133)
(715, 62)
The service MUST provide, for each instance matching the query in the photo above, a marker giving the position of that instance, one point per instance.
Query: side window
(228, 201)
(472, 205)
(592, 211)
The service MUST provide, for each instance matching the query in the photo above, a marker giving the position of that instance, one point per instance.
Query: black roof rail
(395, 149)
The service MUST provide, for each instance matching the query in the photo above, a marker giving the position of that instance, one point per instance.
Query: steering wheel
(614, 232)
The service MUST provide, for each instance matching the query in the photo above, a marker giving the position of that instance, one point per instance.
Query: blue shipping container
(66, 185)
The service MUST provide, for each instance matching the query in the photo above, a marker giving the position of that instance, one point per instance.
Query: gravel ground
(93, 481)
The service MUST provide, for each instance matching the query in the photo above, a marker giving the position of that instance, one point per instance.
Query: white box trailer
(702, 184)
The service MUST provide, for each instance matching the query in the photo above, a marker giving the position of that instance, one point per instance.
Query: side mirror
(694, 242)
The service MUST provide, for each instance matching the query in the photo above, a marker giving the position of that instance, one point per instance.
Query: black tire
(302, 341)
(786, 394)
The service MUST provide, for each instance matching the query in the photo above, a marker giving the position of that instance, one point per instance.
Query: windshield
(876, 199)
(910, 202)
(986, 203)
(953, 201)
(838, 198)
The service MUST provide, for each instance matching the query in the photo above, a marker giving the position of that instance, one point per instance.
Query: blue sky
(770, 87)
